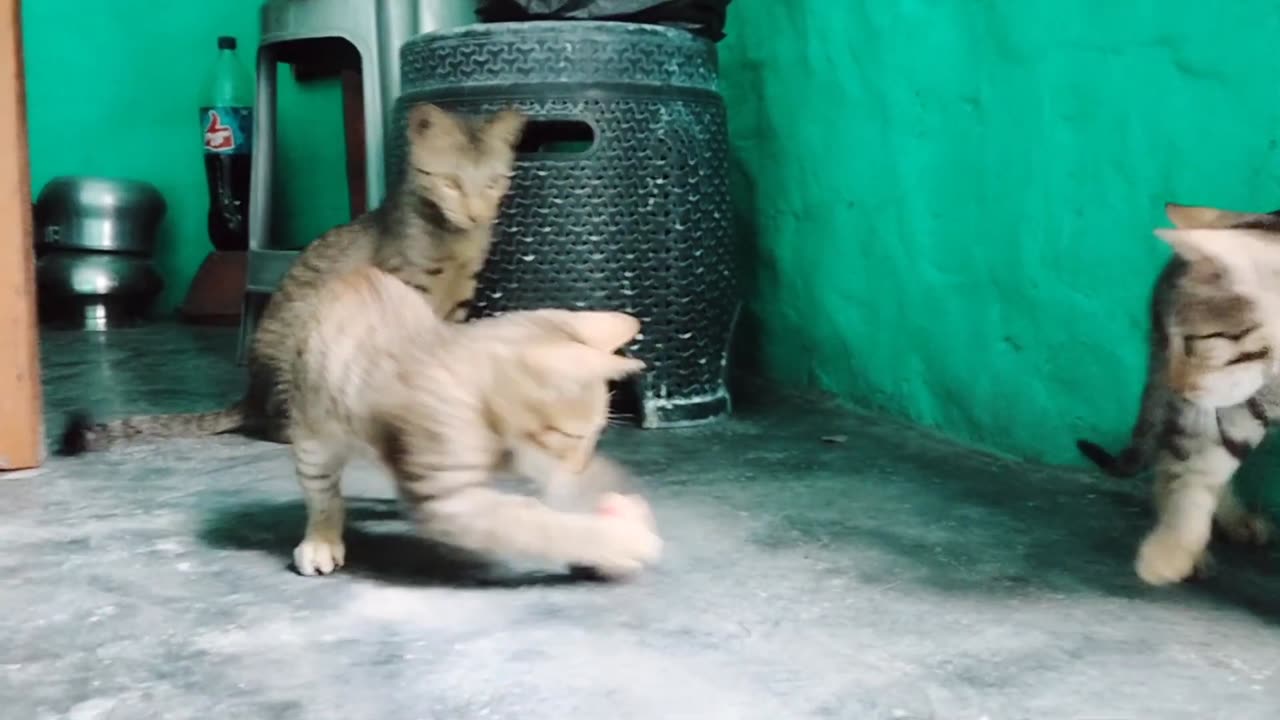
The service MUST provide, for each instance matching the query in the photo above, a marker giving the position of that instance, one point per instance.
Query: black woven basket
(620, 199)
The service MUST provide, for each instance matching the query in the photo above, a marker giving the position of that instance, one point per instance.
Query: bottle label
(227, 130)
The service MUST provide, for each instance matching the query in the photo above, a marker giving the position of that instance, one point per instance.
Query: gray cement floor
(890, 576)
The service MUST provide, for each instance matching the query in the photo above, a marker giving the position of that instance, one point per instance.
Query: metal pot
(94, 290)
(96, 213)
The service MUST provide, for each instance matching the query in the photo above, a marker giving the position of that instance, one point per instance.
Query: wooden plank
(21, 414)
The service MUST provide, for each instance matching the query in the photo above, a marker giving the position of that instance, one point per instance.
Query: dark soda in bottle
(227, 120)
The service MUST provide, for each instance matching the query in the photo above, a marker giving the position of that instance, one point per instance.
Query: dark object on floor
(75, 436)
(586, 574)
(217, 290)
(701, 17)
(620, 199)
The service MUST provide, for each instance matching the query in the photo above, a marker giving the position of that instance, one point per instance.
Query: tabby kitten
(1211, 386)
(433, 233)
(1201, 346)
(445, 406)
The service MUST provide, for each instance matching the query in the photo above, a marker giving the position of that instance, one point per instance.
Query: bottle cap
(226, 42)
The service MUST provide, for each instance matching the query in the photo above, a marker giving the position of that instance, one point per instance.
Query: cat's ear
(425, 118)
(579, 362)
(1242, 255)
(1203, 216)
(506, 126)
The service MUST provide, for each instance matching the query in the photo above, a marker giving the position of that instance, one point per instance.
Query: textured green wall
(949, 204)
(113, 88)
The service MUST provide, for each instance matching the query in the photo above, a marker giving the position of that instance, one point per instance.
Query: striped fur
(1211, 391)
(1193, 321)
(445, 406)
(433, 233)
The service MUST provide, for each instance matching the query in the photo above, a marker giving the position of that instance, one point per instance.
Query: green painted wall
(113, 88)
(948, 205)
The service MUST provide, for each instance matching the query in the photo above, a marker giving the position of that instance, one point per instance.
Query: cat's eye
(1222, 334)
(565, 433)
(1189, 341)
(447, 183)
(1245, 357)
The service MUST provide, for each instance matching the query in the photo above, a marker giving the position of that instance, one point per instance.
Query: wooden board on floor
(21, 421)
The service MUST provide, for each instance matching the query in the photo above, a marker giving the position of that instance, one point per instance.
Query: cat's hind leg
(318, 465)
(1238, 523)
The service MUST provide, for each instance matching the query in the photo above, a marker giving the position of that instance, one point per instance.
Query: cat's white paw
(317, 556)
(627, 507)
(631, 542)
(1162, 560)
(1247, 529)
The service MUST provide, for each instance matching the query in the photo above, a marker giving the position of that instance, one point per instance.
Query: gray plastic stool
(314, 31)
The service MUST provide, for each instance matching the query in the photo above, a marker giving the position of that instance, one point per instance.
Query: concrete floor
(888, 576)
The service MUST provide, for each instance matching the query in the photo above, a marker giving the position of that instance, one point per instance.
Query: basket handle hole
(556, 137)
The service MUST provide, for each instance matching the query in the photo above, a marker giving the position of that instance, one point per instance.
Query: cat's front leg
(1199, 455)
(319, 469)
(1187, 494)
(564, 487)
(484, 520)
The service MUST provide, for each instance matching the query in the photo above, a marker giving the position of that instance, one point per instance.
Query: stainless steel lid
(97, 213)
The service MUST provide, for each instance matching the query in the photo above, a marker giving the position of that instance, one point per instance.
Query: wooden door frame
(21, 396)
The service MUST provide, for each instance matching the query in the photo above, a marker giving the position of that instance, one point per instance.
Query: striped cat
(1209, 395)
(444, 406)
(433, 233)
(1215, 319)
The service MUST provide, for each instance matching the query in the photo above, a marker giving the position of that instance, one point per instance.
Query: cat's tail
(83, 434)
(1138, 455)
(1124, 464)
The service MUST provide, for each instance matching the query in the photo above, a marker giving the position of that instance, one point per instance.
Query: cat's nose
(478, 213)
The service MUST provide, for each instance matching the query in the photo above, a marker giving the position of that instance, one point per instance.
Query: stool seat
(331, 34)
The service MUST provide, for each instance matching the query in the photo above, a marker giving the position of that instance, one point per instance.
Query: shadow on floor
(916, 510)
(380, 545)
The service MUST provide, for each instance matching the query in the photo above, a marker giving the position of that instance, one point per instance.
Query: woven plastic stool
(327, 33)
(620, 198)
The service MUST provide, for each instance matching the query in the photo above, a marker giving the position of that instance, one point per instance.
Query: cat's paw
(318, 556)
(1162, 560)
(1247, 529)
(627, 507)
(631, 542)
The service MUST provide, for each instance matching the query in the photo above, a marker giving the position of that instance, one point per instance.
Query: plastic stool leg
(260, 179)
(262, 173)
(375, 123)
